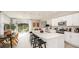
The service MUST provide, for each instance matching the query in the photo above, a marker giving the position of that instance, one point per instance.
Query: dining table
(4, 38)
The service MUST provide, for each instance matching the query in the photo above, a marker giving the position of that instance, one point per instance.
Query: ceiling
(42, 15)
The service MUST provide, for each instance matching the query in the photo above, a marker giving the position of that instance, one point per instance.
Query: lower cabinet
(72, 38)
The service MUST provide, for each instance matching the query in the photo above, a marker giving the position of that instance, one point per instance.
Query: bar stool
(36, 41)
(33, 40)
(40, 43)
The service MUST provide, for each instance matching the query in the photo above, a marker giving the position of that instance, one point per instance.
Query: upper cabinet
(54, 22)
(69, 20)
(75, 19)
(72, 20)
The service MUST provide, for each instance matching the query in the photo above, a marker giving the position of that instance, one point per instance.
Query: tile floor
(67, 45)
(24, 41)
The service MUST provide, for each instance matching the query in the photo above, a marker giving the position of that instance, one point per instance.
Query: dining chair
(2, 43)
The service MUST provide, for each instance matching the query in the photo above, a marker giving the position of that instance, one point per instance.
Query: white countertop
(47, 35)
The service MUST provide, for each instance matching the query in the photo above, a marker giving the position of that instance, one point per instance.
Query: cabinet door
(54, 22)
(72, 20)
(69, 20)
(75, 39)
(68, 37)
(75, 20)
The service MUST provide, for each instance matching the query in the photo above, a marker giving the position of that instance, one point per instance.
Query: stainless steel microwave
(62, 23)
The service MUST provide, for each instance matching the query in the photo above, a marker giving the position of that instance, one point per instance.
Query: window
(9, 26)
(23, 27)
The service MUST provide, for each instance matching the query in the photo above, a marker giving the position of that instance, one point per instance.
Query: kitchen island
(54, 40)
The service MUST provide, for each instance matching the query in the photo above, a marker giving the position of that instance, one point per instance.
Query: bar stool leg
(45, 45)
(33, 45)
(41, 46)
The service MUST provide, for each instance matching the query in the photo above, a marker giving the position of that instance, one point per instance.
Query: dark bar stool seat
(40, 43)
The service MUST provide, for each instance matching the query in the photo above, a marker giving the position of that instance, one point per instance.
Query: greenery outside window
(23, 27)
(9, 26)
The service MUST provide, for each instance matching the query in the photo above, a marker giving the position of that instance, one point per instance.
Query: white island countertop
(46, 35)
(54, 40)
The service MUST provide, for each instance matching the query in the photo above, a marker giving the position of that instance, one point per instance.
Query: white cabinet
(75, 20)
(60, 19)
(72, 20)
(54, 22)
(72, 38)
(75, 39)
(69, 20)
(68, 36)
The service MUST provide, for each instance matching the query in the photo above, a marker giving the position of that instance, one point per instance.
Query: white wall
(30, 25)
(3, 20)
(49, 22)
(1, 25)
(6, 19)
